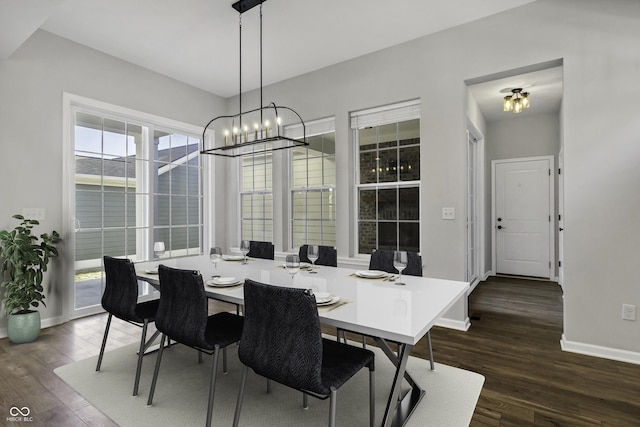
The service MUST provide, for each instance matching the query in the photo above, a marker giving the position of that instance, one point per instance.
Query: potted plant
(24, 259)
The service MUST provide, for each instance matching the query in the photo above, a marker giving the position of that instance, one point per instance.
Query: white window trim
(384, 115)
(72, 102)
(313, 128)
(378, 116)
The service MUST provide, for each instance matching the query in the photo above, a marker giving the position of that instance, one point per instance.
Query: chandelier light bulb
(508, 104)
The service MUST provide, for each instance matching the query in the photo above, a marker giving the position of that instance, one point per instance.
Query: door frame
(473, 133)
(552, 209)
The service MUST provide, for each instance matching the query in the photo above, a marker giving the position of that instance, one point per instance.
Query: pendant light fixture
(255, 131)
(517, 101)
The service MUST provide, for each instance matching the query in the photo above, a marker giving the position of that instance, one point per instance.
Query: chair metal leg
(224, 360)
(155, 371)
(332, 407)
(212, 386)
(372, 398)
(305, 400)
(268, 386)
(104, 342)
(143, 339)
(364, 342)
(199, 356)
(430, 351)
(236, 417)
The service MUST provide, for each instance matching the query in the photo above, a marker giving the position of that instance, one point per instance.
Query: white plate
(232, 257)
(371, 274)
(303, 265)
(323, 297)
(221, 282)
(152, 271)
(334, 299)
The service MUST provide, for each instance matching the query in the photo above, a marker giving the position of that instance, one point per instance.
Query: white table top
(375, 307)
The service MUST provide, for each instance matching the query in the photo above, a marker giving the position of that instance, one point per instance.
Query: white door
(523, 205)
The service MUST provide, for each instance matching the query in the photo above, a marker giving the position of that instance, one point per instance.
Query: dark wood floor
(514, 341)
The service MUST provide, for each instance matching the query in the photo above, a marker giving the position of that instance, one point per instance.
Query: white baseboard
(599, 351)
(454, 324)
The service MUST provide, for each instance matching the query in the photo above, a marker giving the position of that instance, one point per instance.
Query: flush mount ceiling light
(256, 131)
(517, 101)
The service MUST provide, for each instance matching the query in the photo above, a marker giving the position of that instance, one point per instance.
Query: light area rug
(183, 384)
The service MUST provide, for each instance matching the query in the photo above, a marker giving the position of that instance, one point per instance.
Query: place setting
(327, 301)
(224, 282)
(371, 274)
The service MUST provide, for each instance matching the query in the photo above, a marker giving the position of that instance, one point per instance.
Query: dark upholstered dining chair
(383, 260)
(327, 255)
(183, 317)
(282, 341)
(264, 250)
(120, 299)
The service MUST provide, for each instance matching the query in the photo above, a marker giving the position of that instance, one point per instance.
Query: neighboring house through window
(256, 197)
(313, 185)
(136, 183)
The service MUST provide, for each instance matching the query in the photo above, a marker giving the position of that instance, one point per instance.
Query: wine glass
(400, 263)
(158, 249)
(292, 264)
(244, 248)
(312, 254)
(215, 255)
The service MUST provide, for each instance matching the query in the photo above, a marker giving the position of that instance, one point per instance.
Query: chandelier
(517, 101)
(255, 131)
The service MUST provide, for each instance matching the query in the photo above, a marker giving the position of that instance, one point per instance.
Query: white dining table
(376, 307)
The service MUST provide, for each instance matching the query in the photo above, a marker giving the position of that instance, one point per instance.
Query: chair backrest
(183, 308)
(383, 260)
(121, 289)
(327, 255)
(263, 250)
(281, 338)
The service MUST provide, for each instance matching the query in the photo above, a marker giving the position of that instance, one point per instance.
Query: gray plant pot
(24, 327)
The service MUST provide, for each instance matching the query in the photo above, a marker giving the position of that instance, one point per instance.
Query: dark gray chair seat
(327, 255)
(183, 317)
(120, 299)
(282, 341)
(264, 250)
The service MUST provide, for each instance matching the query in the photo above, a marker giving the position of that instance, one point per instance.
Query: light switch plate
(449, 213)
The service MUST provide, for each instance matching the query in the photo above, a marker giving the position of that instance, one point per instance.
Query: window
(135, 184)
(313, 182)
(256, 197)
(388, 165)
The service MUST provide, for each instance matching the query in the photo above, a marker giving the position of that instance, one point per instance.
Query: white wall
(32, 82)
(597, 42)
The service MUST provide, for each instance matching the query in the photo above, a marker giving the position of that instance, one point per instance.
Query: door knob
(499, 219)
(499, 227)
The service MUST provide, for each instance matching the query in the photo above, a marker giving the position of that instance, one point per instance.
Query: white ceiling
(196, 41)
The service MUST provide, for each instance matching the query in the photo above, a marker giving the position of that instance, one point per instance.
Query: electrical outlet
(628, 312)
(449, 213)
